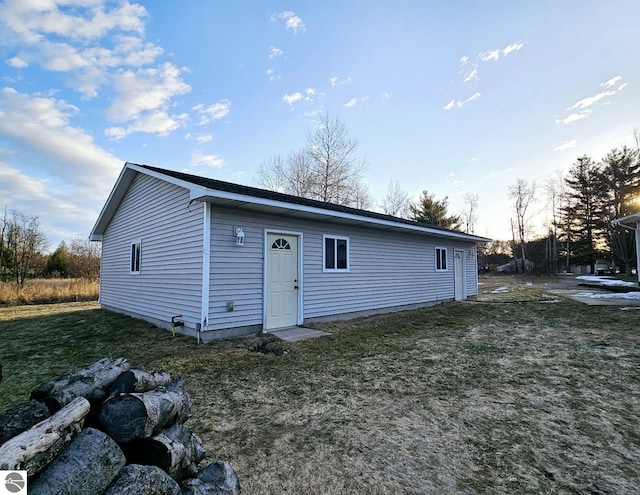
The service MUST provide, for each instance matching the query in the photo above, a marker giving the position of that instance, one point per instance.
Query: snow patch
(619, 295)
(605, 280)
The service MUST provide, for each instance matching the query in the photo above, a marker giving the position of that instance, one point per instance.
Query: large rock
(135, 479)
(218, 478)
(85, 466)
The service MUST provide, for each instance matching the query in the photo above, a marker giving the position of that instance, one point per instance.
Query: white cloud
(574, 116)
(291, 21)
(87, 38)
(571, 143)
(587, 102)
(14, 185)
(292, 98)
(213, 112)
(306, 97)
(17, 63)
(610, 82)
(464, 59)
(490, 55)
(144, 98)
(452, 104)
(64, 211)
(78, 19)
(351, 103)
(494, 55)
(115, 132)
(275, 52)
(622, 86)
(204, 138)
(335, 81)
(271, 74)
(583, 105)
(41, 126)
(514, 47)
(474, 159)
(472, 74)
(459, 103)
(213, 161)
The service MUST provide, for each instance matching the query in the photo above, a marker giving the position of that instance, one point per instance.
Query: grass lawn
(527, 395)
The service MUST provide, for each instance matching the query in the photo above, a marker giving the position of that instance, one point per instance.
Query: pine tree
(434, 212)
(585, 213)
(620, 174)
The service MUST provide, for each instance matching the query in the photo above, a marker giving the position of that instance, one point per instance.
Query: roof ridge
(257, 192)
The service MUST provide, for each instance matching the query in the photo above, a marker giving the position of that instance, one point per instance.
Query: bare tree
(556, 196)
(84, 259)
(327, 169)
(360, 196)
(23, 241)
(523, 195)
(469, 215)
(271, 174)
(334, 161)
(396, 202)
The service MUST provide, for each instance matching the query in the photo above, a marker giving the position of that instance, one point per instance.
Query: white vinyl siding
(170, 278)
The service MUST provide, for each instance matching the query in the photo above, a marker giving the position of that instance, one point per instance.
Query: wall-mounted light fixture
(239, 235)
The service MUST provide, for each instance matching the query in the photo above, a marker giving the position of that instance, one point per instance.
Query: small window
(441, 259)
(134, 266)
(336, 253)
(281, 244)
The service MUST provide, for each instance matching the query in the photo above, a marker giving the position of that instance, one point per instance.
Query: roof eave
(211, 195)
(629, 221)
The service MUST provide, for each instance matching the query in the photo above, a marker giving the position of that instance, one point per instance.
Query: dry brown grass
(518, 397)
(39, 291)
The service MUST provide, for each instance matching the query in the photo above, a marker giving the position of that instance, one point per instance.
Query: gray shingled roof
(255, 192)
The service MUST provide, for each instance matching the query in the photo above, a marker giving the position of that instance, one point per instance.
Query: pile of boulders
(110, 429)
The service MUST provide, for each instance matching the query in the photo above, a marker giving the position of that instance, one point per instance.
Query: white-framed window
(335, 253)
(441, 259)
(135, 256)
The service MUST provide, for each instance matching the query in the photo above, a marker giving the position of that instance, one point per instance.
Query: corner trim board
(206, 266)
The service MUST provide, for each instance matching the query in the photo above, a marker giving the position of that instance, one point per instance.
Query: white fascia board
(120, 188)
(163, 177)
(113, 201)
(204, 193)
(629, 221)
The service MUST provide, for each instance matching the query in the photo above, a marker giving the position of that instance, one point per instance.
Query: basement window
(441, 259)
(336, 254)
(136, 252)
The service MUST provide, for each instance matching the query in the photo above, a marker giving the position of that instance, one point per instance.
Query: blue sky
(455, 97)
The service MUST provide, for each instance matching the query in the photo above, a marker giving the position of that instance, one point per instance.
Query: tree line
(582, 205)
(329, 168)
(23, 246)
(582, 209)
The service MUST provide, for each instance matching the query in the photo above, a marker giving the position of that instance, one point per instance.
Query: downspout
(206, 269)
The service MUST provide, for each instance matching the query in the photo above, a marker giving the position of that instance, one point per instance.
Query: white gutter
(201, 194)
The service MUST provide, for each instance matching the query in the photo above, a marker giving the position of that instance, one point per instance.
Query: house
(632, 222)
(223, 259)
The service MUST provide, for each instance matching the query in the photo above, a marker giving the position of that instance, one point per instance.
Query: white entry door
(282, 281)
(458, 268)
